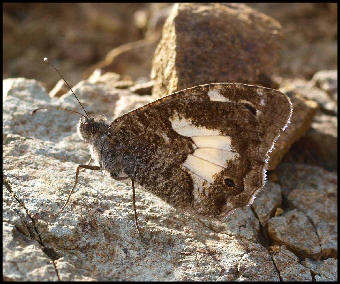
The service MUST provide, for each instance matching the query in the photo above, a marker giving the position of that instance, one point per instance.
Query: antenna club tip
(45, 59)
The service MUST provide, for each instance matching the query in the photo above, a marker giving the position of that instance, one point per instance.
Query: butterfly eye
(250, 108)
(229, 182)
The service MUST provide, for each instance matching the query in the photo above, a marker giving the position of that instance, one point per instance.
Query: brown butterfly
(203, 149)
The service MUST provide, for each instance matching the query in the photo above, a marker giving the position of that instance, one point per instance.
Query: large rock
(212, 42)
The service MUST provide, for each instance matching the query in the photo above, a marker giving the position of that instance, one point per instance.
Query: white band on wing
(213, 152)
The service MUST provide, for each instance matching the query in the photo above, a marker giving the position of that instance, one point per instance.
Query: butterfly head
(90, 128)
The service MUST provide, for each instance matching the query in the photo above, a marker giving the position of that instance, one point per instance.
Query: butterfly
(203, 149)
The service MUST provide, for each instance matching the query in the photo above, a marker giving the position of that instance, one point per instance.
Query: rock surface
(327, 80)
(304, 111)
(267, 201)
(213, 42)
(319, 145)
(289, 266)
(95, 237)
(131, 60)
(293, 229)
(313, 191)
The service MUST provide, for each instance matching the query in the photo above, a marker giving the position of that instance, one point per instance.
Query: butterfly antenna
(57, 108)
(62, 77)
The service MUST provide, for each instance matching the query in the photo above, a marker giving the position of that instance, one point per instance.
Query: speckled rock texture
(95, 237)
(316, 116)
(214, 42)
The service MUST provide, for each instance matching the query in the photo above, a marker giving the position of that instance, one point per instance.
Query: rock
(240, 260)
(289, 267)
(267, 202)
(319, 145)
(327, 80)
(294, 230)
(313, 191)
(59, 89)
(249, 268)
(98, 77)
(124, 84)
(206, 42)
(243, 224)
(142, 88)
(324, 270)
(310, 36)
(304, 111)
(323, 135)
(131, 60)
(23, 258)
(110, 79)
(306, 89)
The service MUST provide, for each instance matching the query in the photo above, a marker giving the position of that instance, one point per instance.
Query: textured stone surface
(131, 60)
(304, 111)
(327, 80)
(319, 147)
(313, 191)
(309, 91)
(294, 230)
(324, 270)
(317, 144)
(23, 258)
(59, 89)
(289, 266)
(213, 42)
(95, 237)
(142, 88)
(267, 201)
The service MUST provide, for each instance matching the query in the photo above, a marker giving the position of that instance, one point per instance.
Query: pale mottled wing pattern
(204, 147)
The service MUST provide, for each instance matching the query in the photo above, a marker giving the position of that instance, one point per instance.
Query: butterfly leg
(76, 181)
(134, 207)
(89, 162)
(133, 202)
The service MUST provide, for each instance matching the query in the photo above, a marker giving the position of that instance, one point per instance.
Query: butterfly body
(204, 148)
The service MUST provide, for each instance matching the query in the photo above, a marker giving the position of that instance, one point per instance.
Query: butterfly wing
(204, 147)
